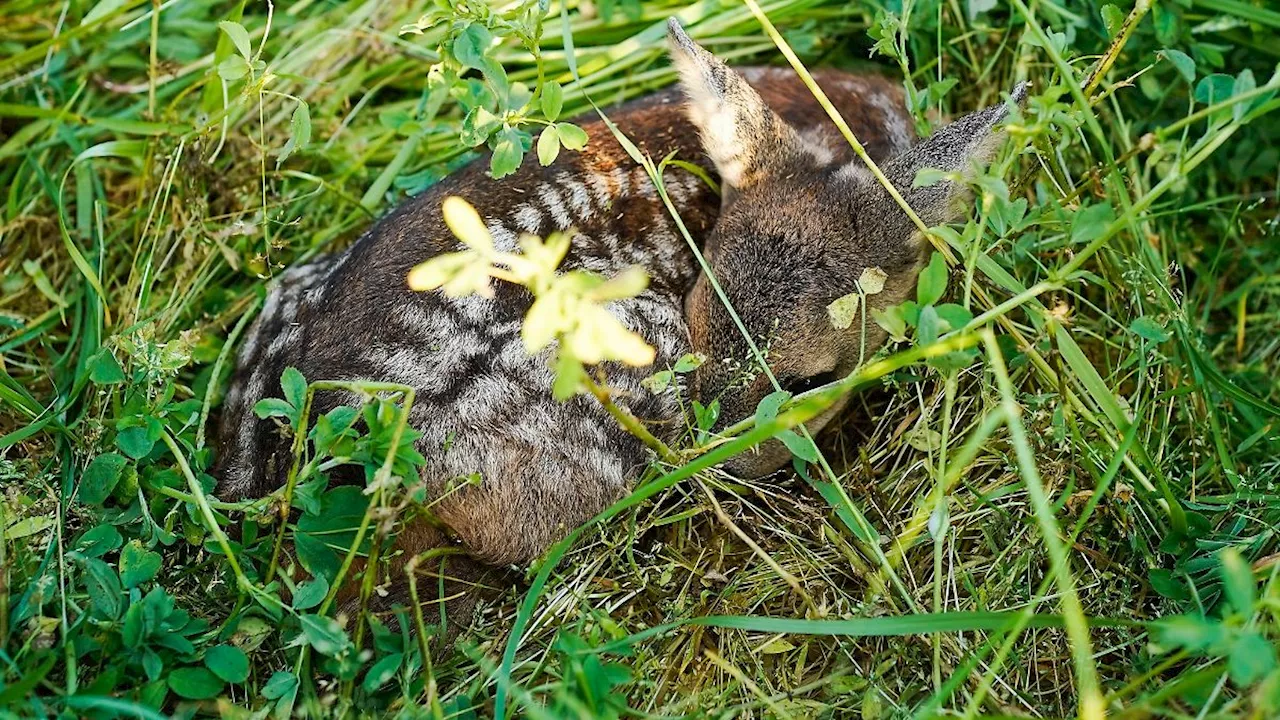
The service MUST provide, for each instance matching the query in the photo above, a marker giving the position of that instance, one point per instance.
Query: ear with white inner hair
(743, 137)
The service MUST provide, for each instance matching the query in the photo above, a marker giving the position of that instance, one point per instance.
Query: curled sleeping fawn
(797, 220)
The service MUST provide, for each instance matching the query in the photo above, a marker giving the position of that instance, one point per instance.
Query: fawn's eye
(805, 384)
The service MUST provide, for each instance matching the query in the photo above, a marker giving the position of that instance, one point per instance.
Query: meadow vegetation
(1056, 493)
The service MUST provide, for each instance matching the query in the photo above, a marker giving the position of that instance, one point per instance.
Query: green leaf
(233, 68)
(569, 376)
(294, 386)
(136, 442)
(137, 564)
(280, 684)
(1182, 62)
(799, 445)
(1244, 83)
(548, 146)
(1193, 632)
(324, 634)
(382, 671)
(98, 541)
(1167, 584)
(891, 321)
(1251, 658)
(1089, 222)
(552, 99)
(977, 7)
(767, 409)
(28, 526)
(310, 593)
(926, 177)
(1113, 18)
(1145, 327)
(299, 132)
(571, 136)
(775, 646)
(100, 478)
(104, 588)
(1237, 581)
(195, 683)
(341, 510)
(1166, 24)
(273, 407)
(103, 9)
(508, 152)
(316, 557)
(1214, 88)
(239, 37)
(955, 316)
(932, 283)
(470, 46)
(33, 270)
(929, 327)
(938, 89)
(227, 662)
(477, 126)
(705, 416)
(658, 381)
(105, 370)
(510, 94)
(134, 629)
(689, 362)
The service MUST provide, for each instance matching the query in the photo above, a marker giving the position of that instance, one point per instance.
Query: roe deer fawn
(798, 220)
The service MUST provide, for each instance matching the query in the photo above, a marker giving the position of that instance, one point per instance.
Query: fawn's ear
(743, 137)
(960, 147)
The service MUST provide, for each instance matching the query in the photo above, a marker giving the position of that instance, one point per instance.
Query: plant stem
(630, 422)
(1091, 704)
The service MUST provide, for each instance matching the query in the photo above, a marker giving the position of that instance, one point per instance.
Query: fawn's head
(795, 232)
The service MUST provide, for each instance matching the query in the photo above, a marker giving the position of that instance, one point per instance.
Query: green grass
(1067, 505)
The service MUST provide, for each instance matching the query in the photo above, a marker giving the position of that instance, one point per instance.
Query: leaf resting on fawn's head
(843, 310)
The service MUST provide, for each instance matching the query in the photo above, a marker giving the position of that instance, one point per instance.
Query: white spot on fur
(855, 171)
(487, 397)
(339, 261)
(257, 388)
(503, 239)
(815, 143)
(621, 180)
(600, 188)
(895, 123)
(644, 186)
(527, 217)
(555, 206)
(282, 340)
(579, 199)
(405, 365)
(474, 308)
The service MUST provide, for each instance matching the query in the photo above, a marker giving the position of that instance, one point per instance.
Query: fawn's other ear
(960, 147)
(741, 134)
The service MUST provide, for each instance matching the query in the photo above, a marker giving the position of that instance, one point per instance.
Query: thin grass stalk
(1091, 704)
